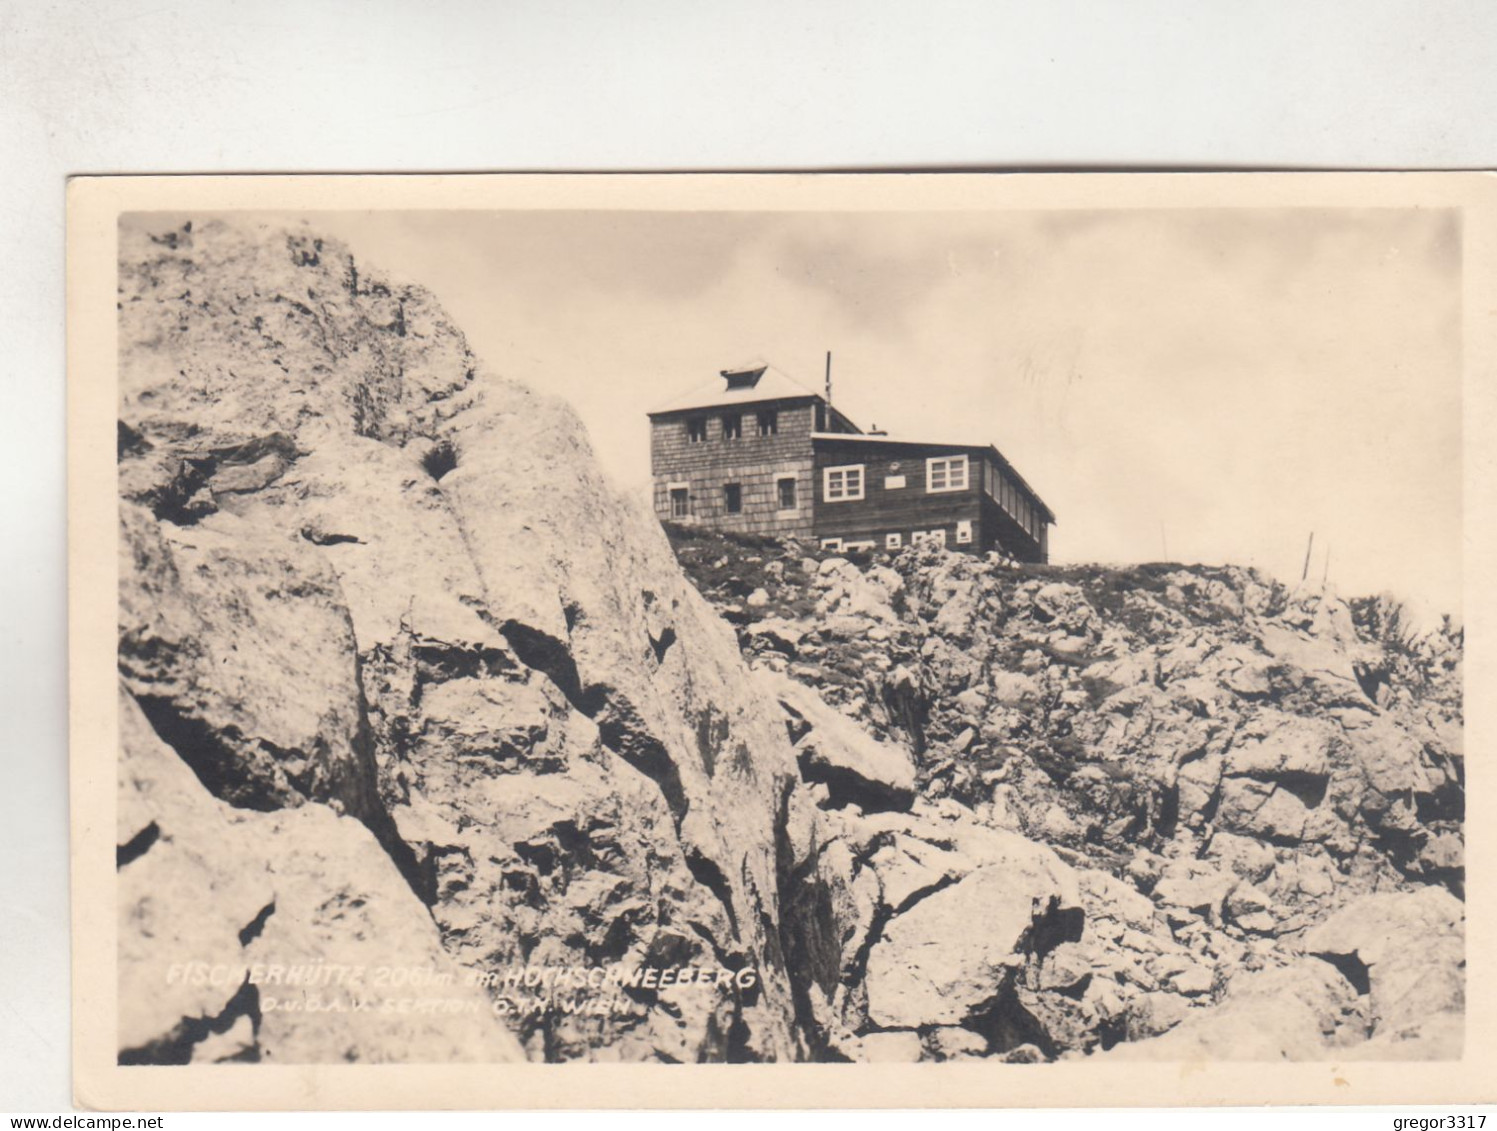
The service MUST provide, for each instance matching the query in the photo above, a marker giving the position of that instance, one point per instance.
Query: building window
(733, 427)
(769, 423)
(680, 502)
(964, 533)
(832, 544)
(786, 489)
(843, 484)
(733, 498)
(696, 429)
(947, 473)
(893, 541)
(893, 482)
(938, 536)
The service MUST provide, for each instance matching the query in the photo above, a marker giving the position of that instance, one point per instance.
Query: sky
(1199, 386)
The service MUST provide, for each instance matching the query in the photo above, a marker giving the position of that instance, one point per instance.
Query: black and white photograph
(981, 632)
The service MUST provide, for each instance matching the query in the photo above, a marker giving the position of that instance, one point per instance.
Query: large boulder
(1406, 950)
(948, 958)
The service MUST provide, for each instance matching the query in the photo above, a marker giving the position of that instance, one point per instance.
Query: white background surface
(222, 86)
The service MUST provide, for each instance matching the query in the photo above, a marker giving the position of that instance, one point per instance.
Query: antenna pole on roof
(828, 377)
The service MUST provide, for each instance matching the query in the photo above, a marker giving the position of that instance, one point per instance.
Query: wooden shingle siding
(759, 484)
(756, 463)
(671, 453)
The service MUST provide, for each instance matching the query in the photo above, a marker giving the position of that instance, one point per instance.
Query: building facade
(754, 452)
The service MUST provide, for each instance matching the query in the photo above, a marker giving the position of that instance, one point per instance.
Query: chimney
(829, 377)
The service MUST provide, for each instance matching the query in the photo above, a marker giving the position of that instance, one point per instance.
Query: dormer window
(696, 429)
(743, 378)
(733, 426)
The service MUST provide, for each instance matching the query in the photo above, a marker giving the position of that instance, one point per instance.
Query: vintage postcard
(814, 640)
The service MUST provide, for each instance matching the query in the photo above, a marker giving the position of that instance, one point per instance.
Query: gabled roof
(961, 445)
(771, 385)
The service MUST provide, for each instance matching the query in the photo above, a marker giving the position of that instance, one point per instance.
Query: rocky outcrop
(361, 576)
(1226, 763)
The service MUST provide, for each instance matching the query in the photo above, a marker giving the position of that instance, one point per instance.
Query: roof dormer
(743, 378)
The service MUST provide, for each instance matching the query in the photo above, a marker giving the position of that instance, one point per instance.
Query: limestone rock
(779, 634)
(855, 766)
(1407, 949)
(1262, 809)
(234, 640)
(900, 1047)
(950, 1042)
(1391, 758)
(948, 956)
(1280, 746)
(1439, 1037)
(1296, 1012)
(222, 910)
(1193, 886)
(1247, 857)
(1150, 1014)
